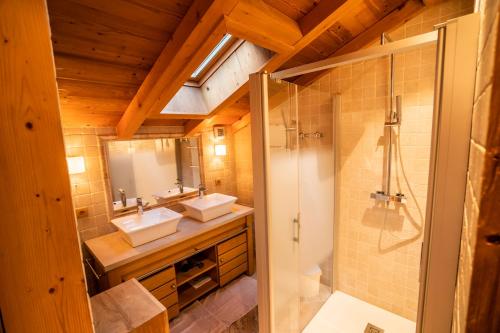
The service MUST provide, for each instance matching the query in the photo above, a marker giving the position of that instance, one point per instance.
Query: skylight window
(208, 60)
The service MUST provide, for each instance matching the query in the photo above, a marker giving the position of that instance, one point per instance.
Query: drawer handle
(221, 260)
(173, 286)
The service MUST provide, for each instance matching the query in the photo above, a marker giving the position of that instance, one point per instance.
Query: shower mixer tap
(315, 135)
(382, 196)
(395, 116)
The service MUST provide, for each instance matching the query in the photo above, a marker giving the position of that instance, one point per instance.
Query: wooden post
(42, 286)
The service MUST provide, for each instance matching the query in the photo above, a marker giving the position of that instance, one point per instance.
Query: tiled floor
(232, 309)
(345, 314)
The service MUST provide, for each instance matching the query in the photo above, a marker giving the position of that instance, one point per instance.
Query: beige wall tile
(88, 188)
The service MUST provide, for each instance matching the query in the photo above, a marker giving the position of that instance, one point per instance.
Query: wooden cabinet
(232, 258)
(220, 255)
(156, 279)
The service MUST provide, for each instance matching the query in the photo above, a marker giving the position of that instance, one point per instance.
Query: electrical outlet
(82, 212)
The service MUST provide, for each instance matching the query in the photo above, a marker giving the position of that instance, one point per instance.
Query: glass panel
(316, 175)
(283, 194)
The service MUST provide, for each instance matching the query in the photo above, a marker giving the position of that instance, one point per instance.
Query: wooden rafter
(194, 126)
(390, 21)
(261, 24)
(324, 15)
(393, 19)
(199, 31)
(170, 72)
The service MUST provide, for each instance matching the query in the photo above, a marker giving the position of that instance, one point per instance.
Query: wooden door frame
(42, 280)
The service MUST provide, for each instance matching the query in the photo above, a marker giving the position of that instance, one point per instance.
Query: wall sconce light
(76, 164)
(220, 150)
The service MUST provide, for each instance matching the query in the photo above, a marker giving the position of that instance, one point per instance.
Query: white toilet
(310, 282)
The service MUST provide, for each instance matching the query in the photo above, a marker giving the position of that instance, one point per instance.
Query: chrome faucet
(201, 191)
(180, 185)
(123, 197)
(140, 206)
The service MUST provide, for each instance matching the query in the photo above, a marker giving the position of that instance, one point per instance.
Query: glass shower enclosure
(298, 153)
(343, 172)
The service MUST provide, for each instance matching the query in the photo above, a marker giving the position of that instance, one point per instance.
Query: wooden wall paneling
(76, 88)
(87, 14)
(164, 15)
(84, 105)
(43, 287)
(78, 118)
(196, 35)
(178, 116)
(99, 42)
(88, 70)
(104, 52)
(164, 122)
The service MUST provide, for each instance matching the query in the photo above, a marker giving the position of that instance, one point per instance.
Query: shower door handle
(296, 229)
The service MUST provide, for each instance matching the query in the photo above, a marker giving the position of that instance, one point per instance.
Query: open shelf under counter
(184, 277)
(189, 294)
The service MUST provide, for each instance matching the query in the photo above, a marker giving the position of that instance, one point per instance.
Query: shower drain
(370, 328)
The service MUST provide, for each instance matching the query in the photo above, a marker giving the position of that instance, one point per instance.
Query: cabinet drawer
(170, 300)
(232, 274)
(164, 290)
(231, 254)
(173, 311)
(157, 279)
(231, 243)
(239, 260)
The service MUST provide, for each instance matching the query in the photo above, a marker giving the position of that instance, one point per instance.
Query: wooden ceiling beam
(263, 25)
(194, 127)
(199, 31)
(372, 34)
(390, 21)
(322, 14)
(244, 121)
(327, 14)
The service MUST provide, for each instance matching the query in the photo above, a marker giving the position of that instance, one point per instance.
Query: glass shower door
(282, 152)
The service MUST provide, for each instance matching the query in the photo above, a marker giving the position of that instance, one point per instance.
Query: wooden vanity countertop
(128, 307)
(113, 251)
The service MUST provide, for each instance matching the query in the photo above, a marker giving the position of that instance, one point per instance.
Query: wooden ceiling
(104, 50)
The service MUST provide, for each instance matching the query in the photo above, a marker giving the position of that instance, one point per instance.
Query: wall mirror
(157, 170)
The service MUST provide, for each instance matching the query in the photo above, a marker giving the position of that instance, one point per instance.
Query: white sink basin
(163, 196)
(152, 224)
(209, 207)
